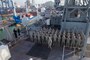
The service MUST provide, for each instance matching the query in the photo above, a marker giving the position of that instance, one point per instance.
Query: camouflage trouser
(78, 44)
(59, 41)
(50, 44)
(55, 41)
(31, 38)
(73, 43)
(63, 42)
(44, 40)
(38, 39)
(35, 39)
(68, 42)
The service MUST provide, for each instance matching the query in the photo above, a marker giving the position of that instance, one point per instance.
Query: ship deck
(25, 50)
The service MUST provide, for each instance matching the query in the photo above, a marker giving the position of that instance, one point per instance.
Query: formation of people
(54, 37)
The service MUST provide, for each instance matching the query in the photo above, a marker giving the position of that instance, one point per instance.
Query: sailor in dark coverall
(15, 32)
(18, 31)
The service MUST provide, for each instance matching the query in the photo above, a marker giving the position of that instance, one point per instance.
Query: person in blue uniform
(17, 19)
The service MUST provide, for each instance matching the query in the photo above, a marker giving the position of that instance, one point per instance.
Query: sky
(21, 2)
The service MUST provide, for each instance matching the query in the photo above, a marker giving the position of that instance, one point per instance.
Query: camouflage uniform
(50, 43)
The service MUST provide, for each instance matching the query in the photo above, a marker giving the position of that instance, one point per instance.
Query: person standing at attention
(50, 42)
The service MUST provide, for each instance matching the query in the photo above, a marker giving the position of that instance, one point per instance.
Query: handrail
(1, 24)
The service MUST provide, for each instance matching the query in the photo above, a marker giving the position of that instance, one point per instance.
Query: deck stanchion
(63, 52)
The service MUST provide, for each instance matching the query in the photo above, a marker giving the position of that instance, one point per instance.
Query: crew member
(15, 32)
(50, 42)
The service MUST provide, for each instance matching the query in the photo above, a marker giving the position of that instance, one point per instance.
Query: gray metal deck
(20, 50)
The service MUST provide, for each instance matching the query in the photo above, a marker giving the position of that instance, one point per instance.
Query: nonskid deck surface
(21, 50)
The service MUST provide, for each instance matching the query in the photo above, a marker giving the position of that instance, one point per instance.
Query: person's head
(23, 16)
(26, 15)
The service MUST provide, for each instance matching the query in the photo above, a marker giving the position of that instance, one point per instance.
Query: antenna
(15, 14)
